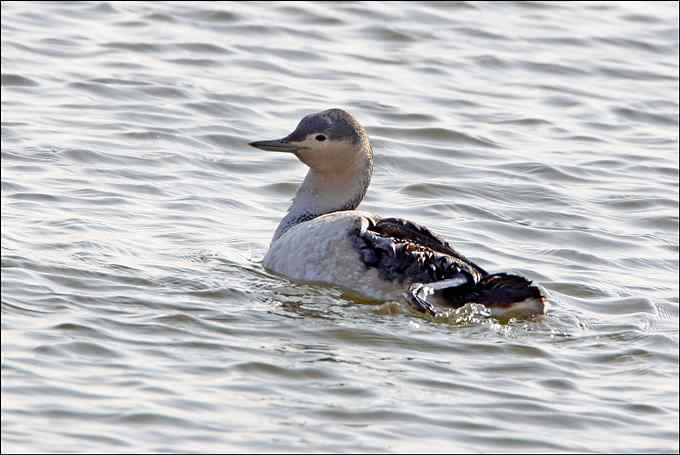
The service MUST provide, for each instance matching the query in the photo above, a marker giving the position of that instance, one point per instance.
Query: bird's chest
(318, 250)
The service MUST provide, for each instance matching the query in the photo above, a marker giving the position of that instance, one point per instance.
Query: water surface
(540, 138)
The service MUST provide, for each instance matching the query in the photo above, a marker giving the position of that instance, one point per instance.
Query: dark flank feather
(405, 252)
(498, 289)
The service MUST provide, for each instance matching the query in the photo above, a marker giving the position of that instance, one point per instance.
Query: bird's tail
(502, 293)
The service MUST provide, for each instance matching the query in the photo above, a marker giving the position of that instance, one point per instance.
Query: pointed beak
(279, 145)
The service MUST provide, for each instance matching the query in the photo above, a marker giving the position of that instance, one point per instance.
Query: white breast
(321, 251)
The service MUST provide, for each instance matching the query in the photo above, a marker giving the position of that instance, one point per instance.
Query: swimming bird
(324, 238)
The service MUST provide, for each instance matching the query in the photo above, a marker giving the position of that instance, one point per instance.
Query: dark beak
(279, 145)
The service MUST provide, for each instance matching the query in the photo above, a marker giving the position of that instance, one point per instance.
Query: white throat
(327, 192)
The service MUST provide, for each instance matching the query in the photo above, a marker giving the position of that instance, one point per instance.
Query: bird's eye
(320, 138)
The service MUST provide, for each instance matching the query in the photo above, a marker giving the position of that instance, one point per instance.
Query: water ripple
(540, 138)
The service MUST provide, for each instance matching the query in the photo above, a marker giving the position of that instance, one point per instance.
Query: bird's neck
(326, 192)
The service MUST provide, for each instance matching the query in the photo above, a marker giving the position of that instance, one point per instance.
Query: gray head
(328, 141)
(336, 149)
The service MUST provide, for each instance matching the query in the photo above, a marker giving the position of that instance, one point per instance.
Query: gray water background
(539, 138)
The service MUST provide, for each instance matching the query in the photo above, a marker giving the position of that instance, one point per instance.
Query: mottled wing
(404, 251)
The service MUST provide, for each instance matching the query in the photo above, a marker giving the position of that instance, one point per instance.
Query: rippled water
(136, 315)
